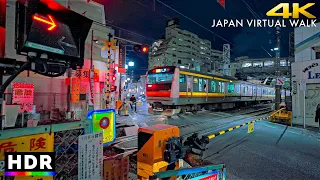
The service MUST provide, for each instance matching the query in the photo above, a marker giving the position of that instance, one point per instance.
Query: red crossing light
(49, 21)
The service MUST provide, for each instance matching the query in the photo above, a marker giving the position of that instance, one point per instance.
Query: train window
(230, 88)
(205, 85)
(200, 85)
(221, 87)
(237, 88)
(160, 78)
(213, 86)
(244, 90)
(195, 85)
(182, 78)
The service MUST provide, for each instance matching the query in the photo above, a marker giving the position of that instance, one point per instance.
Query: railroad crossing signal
(251, 128)
(109, 44)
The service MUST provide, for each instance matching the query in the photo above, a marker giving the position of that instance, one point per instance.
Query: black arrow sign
(61, 43)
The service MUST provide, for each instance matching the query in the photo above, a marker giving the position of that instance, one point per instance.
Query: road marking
(270, 126)
(294, 133)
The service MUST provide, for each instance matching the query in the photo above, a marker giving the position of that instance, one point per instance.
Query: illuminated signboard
(23, 94)
(46, 26)
(104, 120)
(162, 70)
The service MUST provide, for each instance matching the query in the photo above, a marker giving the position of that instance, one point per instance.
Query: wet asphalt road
(272, 151)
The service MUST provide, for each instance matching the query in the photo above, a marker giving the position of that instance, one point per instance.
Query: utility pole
(278, 73)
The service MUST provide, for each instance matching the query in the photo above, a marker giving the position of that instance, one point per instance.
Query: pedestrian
(133, 100)
(317, 118)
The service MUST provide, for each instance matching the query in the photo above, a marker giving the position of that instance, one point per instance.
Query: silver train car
(173, 90)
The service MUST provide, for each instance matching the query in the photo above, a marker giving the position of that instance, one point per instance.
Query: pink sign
(23, 94)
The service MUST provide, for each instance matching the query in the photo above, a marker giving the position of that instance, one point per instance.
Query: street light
(131, 63)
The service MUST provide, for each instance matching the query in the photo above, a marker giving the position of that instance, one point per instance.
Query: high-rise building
(184, 49)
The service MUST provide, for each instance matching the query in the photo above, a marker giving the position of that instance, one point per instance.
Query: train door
(205, 87)
(189, 86)
(254, 94)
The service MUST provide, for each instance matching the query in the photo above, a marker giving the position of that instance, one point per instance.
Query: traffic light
(145, 49)
(46, 27)
(141, 48)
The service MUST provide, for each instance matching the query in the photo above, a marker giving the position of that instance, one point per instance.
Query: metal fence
(66, 149)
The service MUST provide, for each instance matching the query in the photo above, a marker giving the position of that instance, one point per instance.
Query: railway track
(227, 117)
(254, 113)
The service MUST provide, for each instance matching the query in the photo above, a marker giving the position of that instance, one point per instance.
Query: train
(171, 90)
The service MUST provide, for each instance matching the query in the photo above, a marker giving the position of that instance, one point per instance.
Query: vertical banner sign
(32, 143)
(23, 94)
(75, 90)
(122, 57)
(90, 156)
(3, 7)
(122, 54)
(91, 84)
(104, 121)
(96, 75)
(222, 3)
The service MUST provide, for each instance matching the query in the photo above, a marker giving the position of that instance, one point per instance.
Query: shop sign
(23, 94)
(83, 74)
(75, 90)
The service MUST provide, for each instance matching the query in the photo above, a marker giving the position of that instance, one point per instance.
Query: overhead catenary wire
(194, 22)
(123, 29)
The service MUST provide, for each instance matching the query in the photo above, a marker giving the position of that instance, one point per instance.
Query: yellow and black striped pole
(108, 71)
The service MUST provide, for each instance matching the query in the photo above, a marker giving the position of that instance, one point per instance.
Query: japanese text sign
(83, 74)
(32, 143)
(90, 156)
(75, 90)
(104, 120)
(23, 94)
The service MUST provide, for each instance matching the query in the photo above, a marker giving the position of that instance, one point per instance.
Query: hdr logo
(296, 11)
(29, 164)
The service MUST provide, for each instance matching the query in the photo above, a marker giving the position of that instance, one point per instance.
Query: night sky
(138, 16)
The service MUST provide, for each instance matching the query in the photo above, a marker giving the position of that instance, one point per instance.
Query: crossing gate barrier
(242, 125)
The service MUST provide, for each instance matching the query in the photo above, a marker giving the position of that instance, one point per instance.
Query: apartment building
(184, 49)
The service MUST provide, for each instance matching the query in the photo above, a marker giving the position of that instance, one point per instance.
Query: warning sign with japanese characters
(32, 143)
(90, 156)
(23, 94)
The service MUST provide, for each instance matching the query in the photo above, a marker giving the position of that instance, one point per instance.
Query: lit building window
(283, 63)
(257, 64)
(269, 63)
(244, 65)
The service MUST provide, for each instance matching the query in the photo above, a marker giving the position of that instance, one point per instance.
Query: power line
(251, 10)
(123, 29)
(194, 22)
